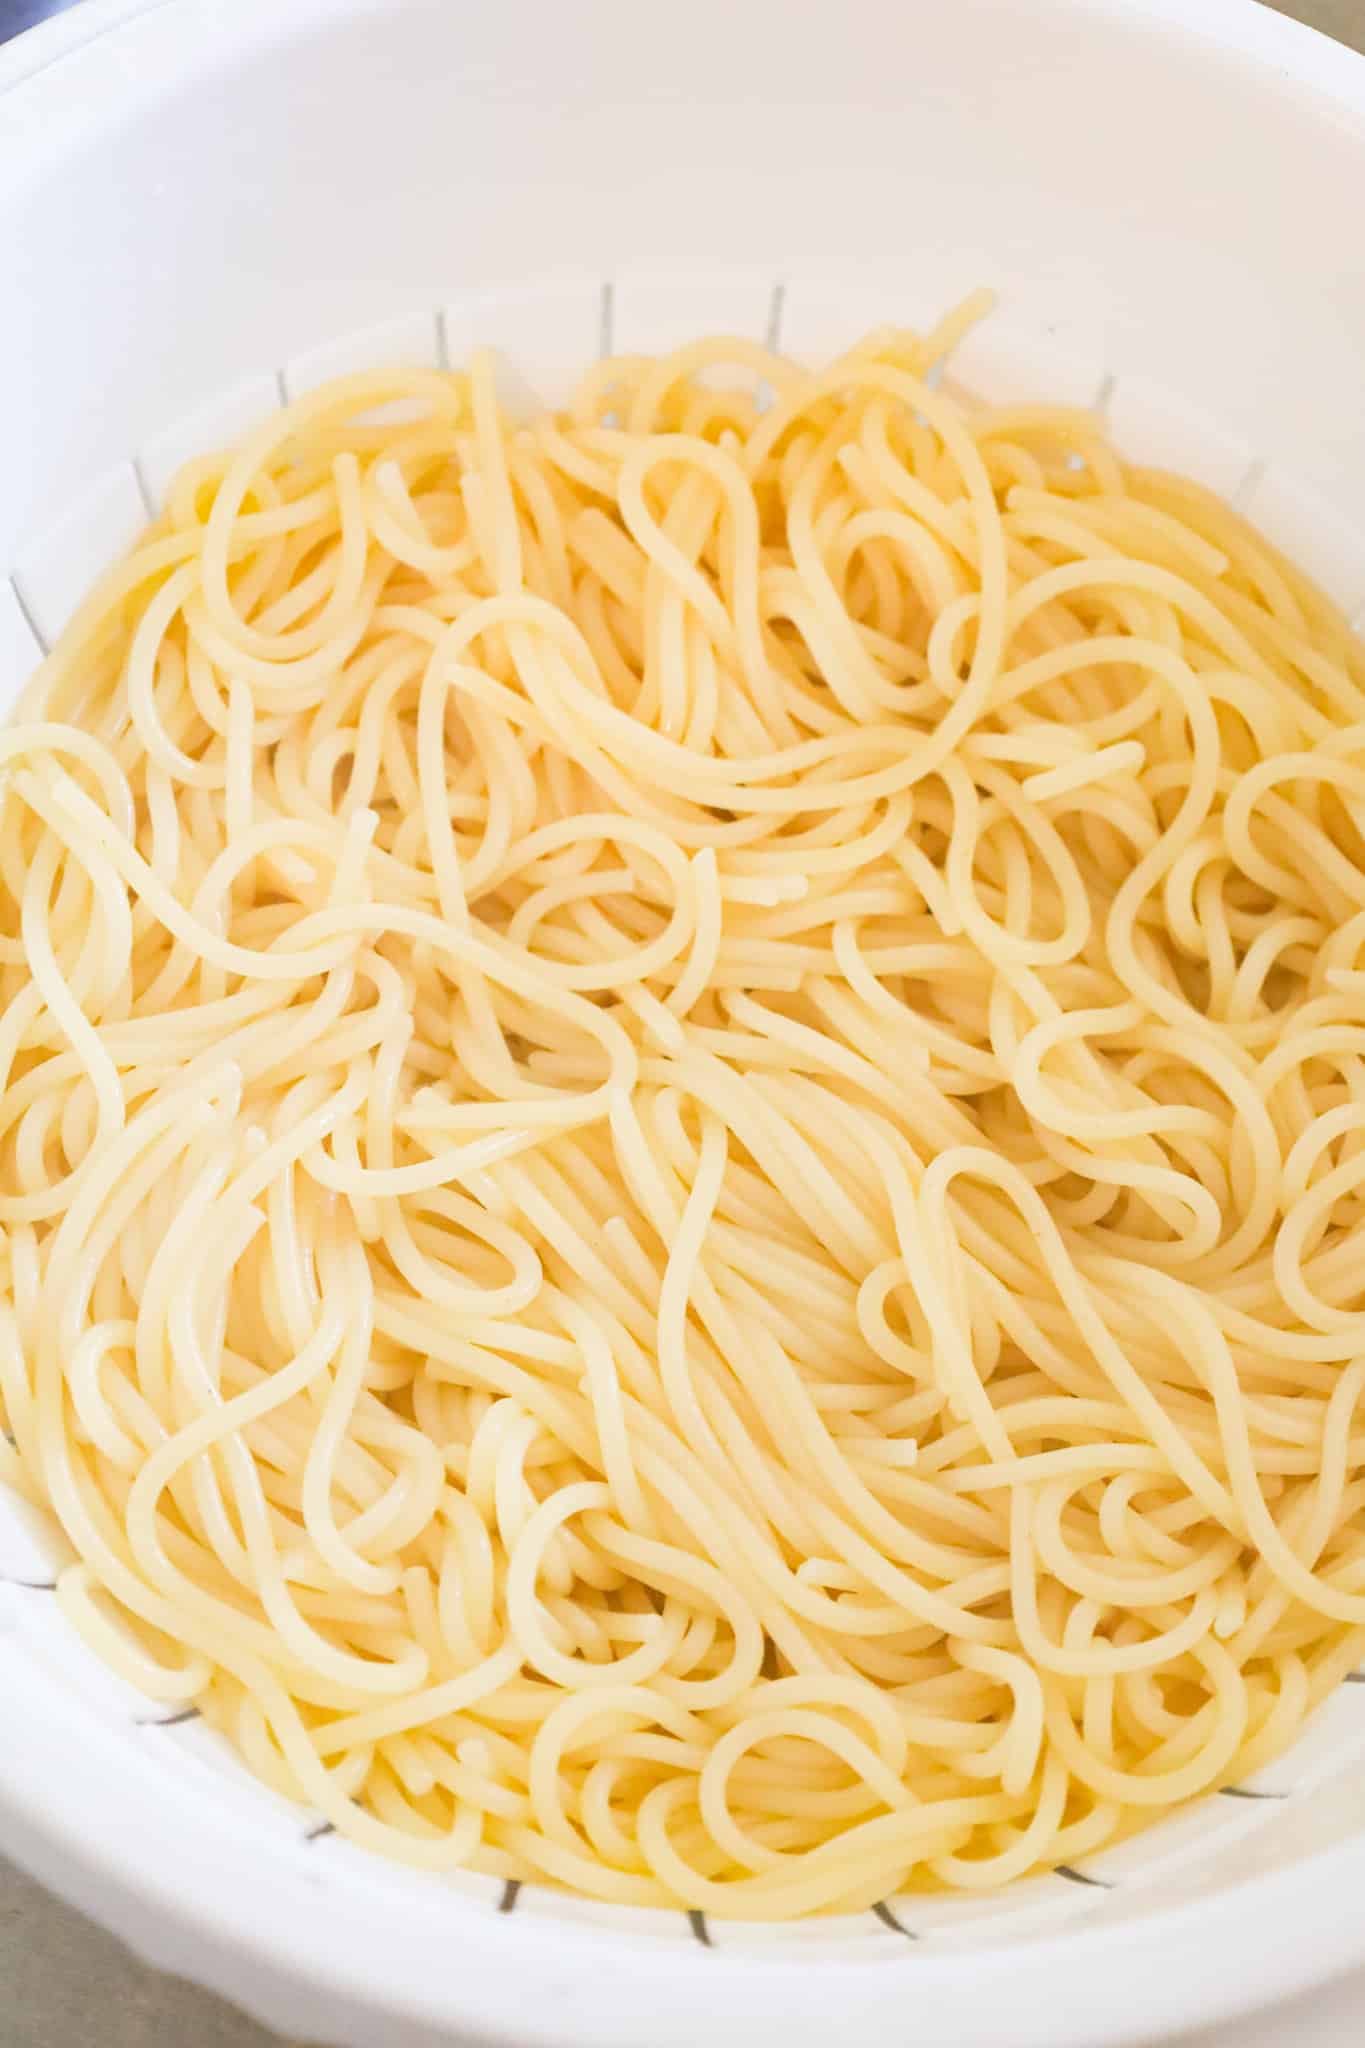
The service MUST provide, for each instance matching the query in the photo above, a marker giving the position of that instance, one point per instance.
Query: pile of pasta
(683, 1126)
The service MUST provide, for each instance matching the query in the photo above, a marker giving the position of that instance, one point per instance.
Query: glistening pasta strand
(683, 1126)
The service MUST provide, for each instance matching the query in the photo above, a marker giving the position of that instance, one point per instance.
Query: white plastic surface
(54, 570)
(654, 313)
(32, 1547)
(1158, 430)
(1314, 530)
(820, 315)
(412, 342)
(20, 647)
(541, 334)
(1010, 365)
(215, 424)
(201, 207)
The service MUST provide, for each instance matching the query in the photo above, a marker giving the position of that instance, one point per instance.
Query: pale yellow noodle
(683, 1126)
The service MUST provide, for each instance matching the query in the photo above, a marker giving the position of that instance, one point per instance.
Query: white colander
(204, 207)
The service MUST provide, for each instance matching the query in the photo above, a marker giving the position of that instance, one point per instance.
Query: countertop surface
(67, 1985)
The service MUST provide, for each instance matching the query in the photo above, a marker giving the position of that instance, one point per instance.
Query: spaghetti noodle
(683, 1127)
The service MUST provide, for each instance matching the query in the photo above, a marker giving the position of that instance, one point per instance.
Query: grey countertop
(67, 1985)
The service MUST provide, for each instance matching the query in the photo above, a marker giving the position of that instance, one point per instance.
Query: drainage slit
(777, 306)
(149, 504)
(1074, 1876)
(30, 618)
(1250, 484)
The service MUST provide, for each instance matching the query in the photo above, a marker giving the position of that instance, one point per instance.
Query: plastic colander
(204, 207)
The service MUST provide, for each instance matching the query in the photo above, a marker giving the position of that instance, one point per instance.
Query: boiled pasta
(683, 1131)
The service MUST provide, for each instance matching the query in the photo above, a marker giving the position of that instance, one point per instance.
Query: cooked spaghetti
(683, 1131)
